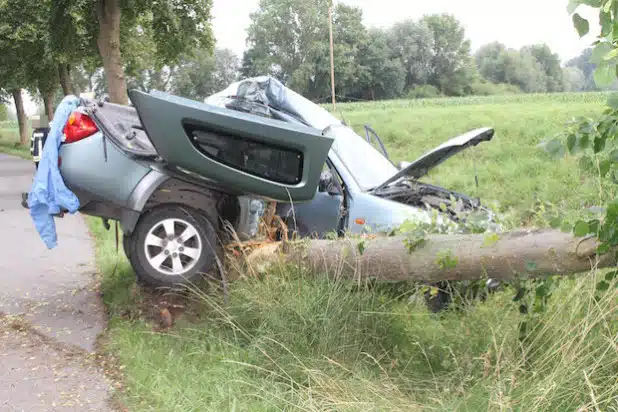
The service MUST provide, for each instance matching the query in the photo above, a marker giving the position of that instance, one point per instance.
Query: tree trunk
(534, 253)
(65, 79)
(75, 89)
(21, 117)
(108, 12)
(48, 102)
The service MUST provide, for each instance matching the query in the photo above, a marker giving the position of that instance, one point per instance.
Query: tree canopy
(289, 40)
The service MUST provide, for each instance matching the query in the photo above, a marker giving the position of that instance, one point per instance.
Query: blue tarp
(48, 194)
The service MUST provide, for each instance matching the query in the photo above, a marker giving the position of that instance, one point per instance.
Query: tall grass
(295, 341)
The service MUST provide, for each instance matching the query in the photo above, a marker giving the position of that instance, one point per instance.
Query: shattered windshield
(364, 162)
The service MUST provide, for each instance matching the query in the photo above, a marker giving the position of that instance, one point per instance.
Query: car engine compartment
(427, 196)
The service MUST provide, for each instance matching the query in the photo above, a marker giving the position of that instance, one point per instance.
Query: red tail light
(78, 127)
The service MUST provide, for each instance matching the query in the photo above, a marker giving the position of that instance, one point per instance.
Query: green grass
(9, 140)
(291, 341)
(9, 144)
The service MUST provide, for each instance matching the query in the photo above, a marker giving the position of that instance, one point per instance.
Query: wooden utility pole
(332, 59)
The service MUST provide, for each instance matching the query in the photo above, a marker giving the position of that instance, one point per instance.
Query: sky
(514, 23)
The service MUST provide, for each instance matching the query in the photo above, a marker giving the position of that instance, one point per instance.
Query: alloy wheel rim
(173, 246)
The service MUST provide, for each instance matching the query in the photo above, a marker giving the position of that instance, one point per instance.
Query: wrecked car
(360, 189)
(172, 171)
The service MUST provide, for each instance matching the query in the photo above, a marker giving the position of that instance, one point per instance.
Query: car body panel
(168, 118)
(145, 188)
(95, 165)
(314, 219)
(372, 214)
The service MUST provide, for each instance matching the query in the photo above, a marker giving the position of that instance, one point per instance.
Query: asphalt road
(50, 312)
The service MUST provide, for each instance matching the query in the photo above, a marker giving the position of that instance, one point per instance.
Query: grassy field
(9, 140)
(291, 341)
(512, 171)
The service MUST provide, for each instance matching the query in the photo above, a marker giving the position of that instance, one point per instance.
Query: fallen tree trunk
(534, 253)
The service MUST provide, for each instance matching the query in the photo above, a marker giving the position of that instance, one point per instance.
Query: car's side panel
(145, 188)
(368, 213)
(313, 219)
(93, 165)
(167, 117)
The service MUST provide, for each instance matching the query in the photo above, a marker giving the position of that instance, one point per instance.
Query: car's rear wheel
(126, 242)
(172, 245)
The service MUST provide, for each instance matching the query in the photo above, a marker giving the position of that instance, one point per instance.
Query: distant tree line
(412, 58)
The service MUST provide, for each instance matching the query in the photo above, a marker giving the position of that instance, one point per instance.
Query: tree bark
(108, 13)
(48, 102)
(21, 116)
(75, 89)
(533, 253)
(65, 79)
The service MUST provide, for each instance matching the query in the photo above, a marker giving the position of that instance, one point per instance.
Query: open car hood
(431, 159)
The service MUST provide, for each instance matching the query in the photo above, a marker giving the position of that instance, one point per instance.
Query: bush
(423, 92)
(490, 89)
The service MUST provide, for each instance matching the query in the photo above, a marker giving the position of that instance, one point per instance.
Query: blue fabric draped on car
(48, 194)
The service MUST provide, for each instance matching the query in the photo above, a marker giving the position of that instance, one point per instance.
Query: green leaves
(605, 74)
(613, 156)
(571, 141)
(581, 25)
(604, 56)
(604, 167)
(605, 18)
(530, 266)
(599, 52)
(445, 259)
(361, 247)
(611, 55)
(602, 286)
(599, 144)
(607, 6)
(572, 6)
(581, 229)
(555, 148)
(555, 222)
(603, 131)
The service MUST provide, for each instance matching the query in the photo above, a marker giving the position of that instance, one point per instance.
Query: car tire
(441, 300)
(172, 245)
(126, 242)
